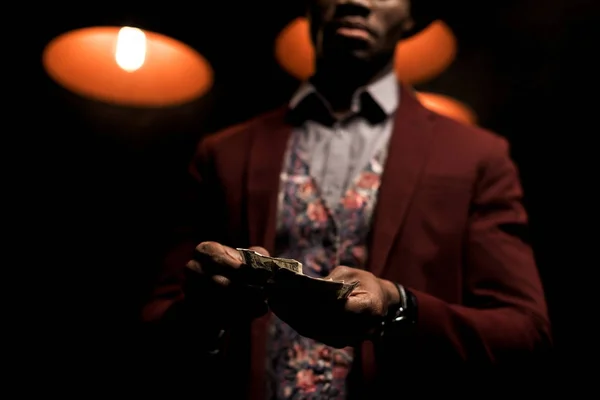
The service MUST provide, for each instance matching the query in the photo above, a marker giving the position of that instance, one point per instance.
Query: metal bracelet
(400, 313)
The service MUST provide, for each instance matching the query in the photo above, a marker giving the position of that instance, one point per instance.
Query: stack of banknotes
(287, 274)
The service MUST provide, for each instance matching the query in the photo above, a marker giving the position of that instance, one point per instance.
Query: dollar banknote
(287, 273)
(258, 261)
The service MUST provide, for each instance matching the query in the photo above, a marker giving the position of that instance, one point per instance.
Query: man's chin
(361, 55)
(347, 49)
(348, 58)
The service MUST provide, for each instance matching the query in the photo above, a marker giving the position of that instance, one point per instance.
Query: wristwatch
(217, 344)
(401, 317)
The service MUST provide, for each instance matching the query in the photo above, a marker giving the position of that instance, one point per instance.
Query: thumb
(260, 250)
(342, 273)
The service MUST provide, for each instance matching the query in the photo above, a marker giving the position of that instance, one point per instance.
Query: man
(356, 180)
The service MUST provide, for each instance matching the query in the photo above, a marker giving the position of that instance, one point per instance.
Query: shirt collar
(383, 91)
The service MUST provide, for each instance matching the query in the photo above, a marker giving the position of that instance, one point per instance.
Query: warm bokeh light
(418, 58)
(130, 52)
(294, 50)
(425, 55)
(127, 66)
(448, 107)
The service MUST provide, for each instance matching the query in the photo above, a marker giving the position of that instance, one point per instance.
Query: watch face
(400, 315)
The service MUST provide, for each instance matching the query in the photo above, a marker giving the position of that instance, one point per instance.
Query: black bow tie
(312, 108)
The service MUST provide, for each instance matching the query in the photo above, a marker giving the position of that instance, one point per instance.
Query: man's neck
(338, 83)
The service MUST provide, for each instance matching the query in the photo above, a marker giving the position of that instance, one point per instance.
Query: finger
(221, 280)
(218, 253)
(358, 304)
(260, 250)
(234, 255)
(195, 266)
(217, 259)
(196, 272)
(364, 314)
(342, 273)
(196, 280)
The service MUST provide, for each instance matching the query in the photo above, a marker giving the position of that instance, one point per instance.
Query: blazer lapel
(408, 152)
(269, 142)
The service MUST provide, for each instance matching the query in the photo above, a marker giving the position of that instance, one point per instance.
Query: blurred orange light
(418, 58)
(448, 107)
(127, 66)
(294, 50)
(425, 55)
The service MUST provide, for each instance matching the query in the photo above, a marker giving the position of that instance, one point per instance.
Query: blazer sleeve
(503, 317)
(176, 326)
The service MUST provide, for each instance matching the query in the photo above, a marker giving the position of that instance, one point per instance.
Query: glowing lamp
(418, 58)
(294, 51)
(448, 107)
(425, 55)
(127, 66)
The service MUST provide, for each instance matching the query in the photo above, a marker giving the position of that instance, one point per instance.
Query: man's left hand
(344, 323)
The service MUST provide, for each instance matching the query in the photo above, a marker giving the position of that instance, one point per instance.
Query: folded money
(258, 261)
(287, 273)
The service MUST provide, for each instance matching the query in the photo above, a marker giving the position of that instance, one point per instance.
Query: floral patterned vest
(320, 237)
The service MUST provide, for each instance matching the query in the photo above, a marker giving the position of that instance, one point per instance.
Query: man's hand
(341, 324)
(214, 283)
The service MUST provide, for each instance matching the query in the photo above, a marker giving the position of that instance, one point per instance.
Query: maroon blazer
(448, 225)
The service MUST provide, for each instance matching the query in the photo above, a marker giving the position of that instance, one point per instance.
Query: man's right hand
(213, 284)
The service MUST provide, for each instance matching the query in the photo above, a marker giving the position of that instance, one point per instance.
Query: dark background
(95, 184)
